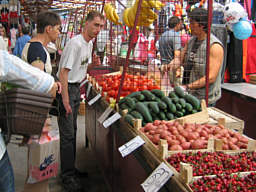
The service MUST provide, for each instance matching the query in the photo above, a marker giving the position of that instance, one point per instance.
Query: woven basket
(23, 111)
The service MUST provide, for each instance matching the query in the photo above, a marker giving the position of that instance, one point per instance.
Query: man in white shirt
(73, 66)
(16, 71)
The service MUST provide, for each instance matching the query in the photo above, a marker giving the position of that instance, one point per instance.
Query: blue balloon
(242, 29)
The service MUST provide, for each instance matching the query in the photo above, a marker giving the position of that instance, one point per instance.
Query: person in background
(170, 42)
(35, 51)
(21, 42)
(7, 42)
(73, 67)
(11, 68)
(193, 57)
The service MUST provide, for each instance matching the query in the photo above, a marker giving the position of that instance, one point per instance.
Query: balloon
(233, 12)
(242, 29)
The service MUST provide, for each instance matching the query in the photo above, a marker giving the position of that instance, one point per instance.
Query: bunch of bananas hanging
(111, 14)
(147, 15)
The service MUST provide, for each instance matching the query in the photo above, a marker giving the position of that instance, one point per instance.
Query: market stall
(141, 101)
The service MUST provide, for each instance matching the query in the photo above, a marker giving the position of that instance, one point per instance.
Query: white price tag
(157, 179)
(111, 120)
(93, 100)
(88, 89)
(84, 82)
(105, 114)
(132, 145)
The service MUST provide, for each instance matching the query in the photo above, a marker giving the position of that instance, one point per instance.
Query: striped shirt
(16, 71)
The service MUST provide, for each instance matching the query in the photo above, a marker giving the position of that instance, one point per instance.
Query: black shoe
(71, 185)
(80, 174)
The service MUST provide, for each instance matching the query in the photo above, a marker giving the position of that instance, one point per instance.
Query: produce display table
(238, 99)
(121, 174)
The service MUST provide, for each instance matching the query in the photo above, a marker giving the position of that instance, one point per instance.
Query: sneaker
(72, 185)
(80, 174)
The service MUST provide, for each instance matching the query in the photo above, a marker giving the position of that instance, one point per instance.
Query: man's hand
(67, 107)
(59, 87)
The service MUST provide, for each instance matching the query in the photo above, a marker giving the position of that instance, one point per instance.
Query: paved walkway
(85, 162)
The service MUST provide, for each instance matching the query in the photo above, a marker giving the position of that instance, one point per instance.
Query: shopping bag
(43, 160)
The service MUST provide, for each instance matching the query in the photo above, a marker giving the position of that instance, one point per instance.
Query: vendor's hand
(67, 107)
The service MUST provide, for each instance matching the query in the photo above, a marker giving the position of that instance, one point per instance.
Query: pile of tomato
(132, 83)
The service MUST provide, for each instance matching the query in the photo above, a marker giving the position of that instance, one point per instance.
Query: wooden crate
(231, 122)
(185, 176)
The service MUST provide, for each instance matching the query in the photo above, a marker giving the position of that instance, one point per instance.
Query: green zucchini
(140, 107)
(162, 105)
(169, 116)
(139, 97)
(124, 106)
(179, 114)
(129, 119)
(182, 102)
(149, 96)
(162, 116)
(189, 107)
(178, 90)
(175, 100)
(134, 94)
(136, 115)
(172, 94)
(170, 104)
(154, 107)
(178, 107)
(193, 101)
(158, 93)
(157, 99)
(130, 102)
(194, 111)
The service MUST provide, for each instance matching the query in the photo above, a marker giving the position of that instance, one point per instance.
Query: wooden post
(222, 121)
(218, 144)
(137, 124)
(210, 144)
(163, 148)
(186, 172)
(251, 145)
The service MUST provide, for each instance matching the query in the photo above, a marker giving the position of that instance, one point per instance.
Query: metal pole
(208, 51)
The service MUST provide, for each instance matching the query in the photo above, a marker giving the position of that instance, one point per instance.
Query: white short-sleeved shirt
(76, 56)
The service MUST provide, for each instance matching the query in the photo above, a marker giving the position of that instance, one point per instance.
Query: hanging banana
(111, 14)
(147, 15)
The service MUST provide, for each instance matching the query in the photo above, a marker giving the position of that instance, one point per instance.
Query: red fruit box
(243, 181)
(240, 164)
(160, 146)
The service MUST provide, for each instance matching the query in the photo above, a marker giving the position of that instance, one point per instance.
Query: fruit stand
(204, 147)
(127, 174)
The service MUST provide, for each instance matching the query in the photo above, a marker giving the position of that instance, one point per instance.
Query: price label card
(88, 89)
(93, 100)
(111, 120)
(84, 82)
(157, 178)
(105, 114)
(132, 145)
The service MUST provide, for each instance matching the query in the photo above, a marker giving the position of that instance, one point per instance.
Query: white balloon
(233, 12)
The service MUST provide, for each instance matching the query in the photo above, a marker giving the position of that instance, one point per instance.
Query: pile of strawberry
(214, 163)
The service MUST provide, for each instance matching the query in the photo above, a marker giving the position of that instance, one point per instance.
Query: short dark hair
(25, 29)
(173, 21)
(47, 18)
(92, 14)
(200, 15)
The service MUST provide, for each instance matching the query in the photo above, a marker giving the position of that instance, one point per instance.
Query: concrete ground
(85, 162)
